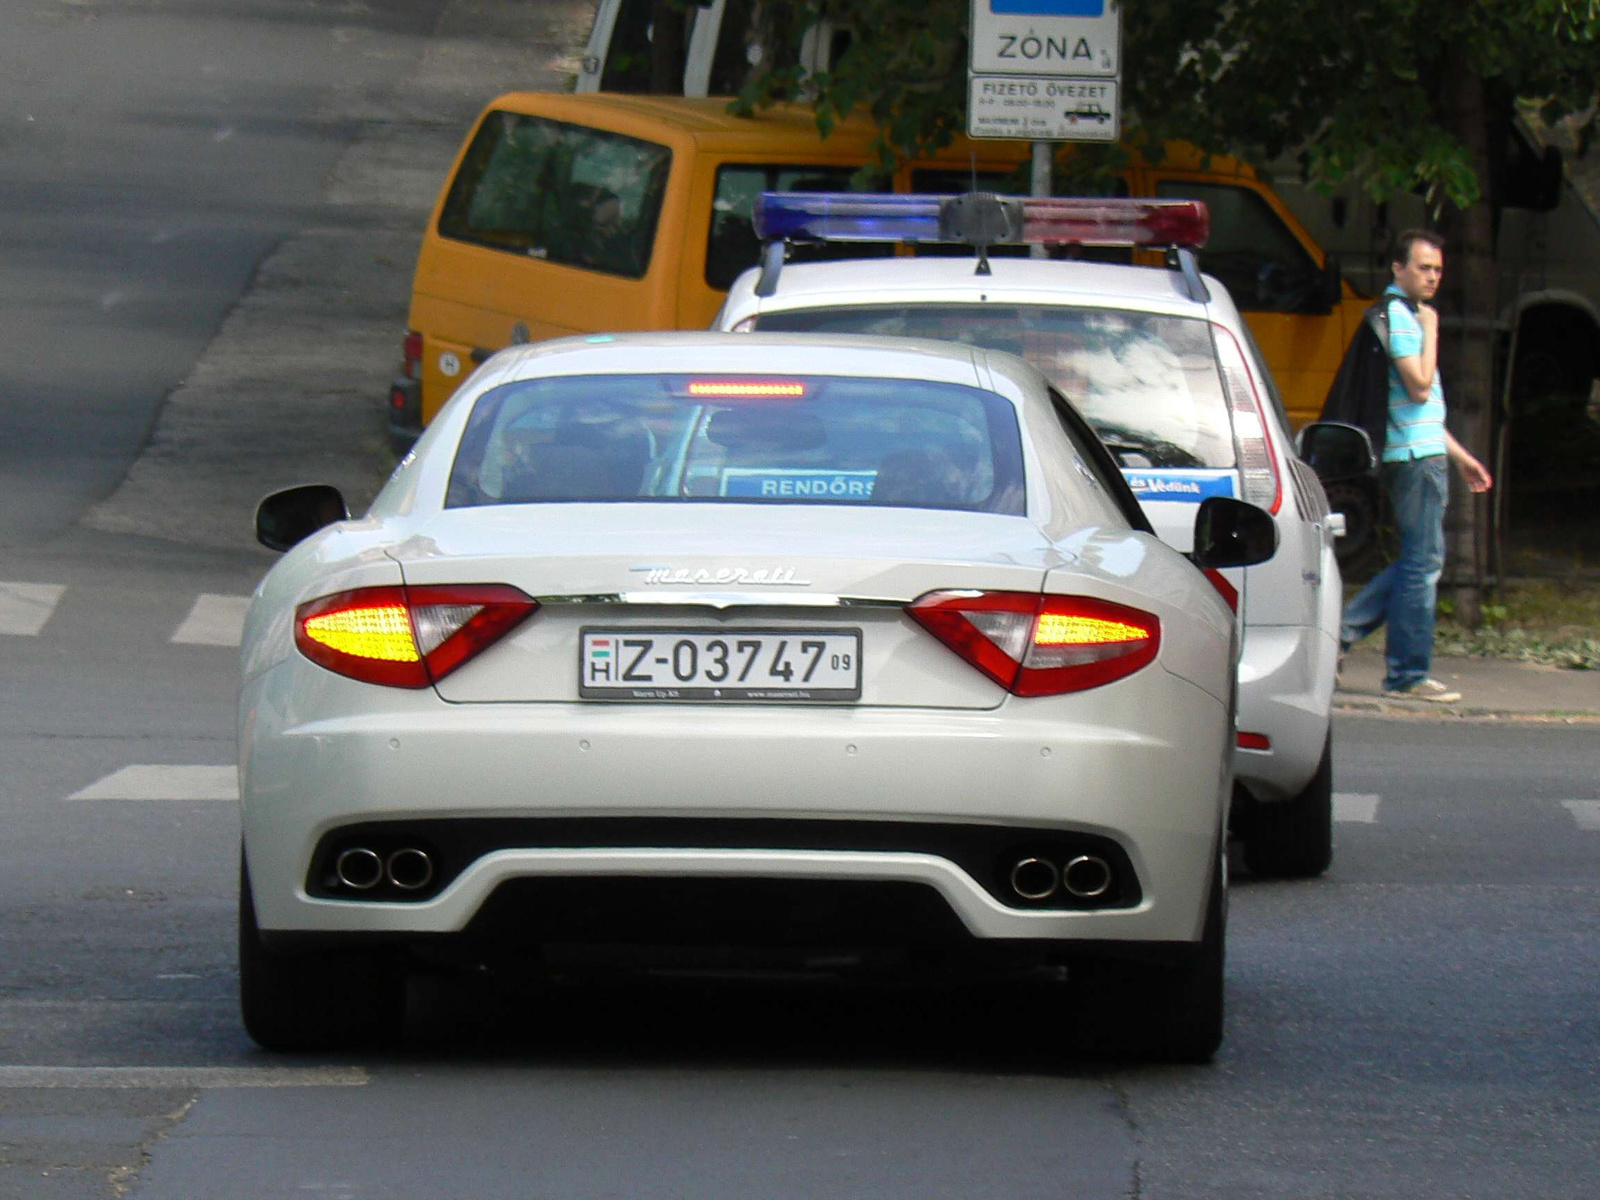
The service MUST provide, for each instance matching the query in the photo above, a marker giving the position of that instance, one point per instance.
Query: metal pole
(1043, 160)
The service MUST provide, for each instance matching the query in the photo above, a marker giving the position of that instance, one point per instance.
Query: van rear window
(1146, 382)
(565, 193)
(796, 440)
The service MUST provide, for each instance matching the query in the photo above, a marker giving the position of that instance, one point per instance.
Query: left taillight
(411, 355)
(407, 637)
(1041, 645)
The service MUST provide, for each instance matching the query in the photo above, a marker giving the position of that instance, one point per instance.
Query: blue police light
(979, 219)
(846, 217)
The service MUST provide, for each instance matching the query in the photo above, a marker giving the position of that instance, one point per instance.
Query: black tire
(322, 1001)
(1293, 839)
(1167, 1013)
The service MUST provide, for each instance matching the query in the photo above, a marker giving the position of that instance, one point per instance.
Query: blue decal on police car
(797, 484)
(1181, 487)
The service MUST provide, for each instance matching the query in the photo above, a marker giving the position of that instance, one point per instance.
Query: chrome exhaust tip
(1034, 878)
(410, 869)
(358, 868)
(1086, 877)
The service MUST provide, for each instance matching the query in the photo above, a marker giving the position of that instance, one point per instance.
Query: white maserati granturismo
(802, 649)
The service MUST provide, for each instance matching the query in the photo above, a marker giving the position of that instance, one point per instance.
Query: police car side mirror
(286, 518)
(1231, 533)
(1336, 451)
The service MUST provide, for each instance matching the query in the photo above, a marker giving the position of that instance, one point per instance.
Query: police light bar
(979, 219)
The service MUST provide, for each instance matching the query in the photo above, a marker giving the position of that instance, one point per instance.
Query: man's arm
(1473, 472)
(1416, 371)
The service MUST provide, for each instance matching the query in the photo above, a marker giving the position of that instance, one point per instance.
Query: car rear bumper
(1285, 692)
(1062, 765)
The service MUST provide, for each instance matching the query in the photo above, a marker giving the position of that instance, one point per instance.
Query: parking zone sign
(1046, 37)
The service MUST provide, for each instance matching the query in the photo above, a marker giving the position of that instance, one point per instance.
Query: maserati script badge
(721, 576)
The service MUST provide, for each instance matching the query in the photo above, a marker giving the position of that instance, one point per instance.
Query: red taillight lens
(1253, 741)
(411, 350)
(1224, 589)
(1258, 464)
(408, 637)
(1034, 645)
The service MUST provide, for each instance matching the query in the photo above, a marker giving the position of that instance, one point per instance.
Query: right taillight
(411, 354)
(1258, 465)
(1035, 645)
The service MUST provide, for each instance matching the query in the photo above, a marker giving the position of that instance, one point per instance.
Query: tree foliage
(1359, 88)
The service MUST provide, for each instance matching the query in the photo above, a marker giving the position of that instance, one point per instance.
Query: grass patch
(1550, 621)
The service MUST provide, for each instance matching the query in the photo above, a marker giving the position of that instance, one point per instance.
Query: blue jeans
(1405, 593)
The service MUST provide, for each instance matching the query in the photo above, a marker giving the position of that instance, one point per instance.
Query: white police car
(1162, 366)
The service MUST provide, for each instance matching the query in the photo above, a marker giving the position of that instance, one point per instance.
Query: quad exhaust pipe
(1086, 877)
(410, 869)
(361, 869)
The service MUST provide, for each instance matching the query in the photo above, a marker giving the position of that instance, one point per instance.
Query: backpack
(1360, 392)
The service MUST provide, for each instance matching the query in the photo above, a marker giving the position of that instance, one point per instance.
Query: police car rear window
(1147, 383)
(565, 193)
(811, 439)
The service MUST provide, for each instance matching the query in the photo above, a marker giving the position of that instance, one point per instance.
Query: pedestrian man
(1416, 449)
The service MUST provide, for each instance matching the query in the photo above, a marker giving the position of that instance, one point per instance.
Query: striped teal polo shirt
(1415, 430)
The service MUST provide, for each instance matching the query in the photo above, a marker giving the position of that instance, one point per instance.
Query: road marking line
(164, 783)
(1355, 806)
(180, 1077)
(214, 621)
(1585, 812)
(25, 607)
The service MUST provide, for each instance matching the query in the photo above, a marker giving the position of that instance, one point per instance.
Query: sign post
(1046, 71)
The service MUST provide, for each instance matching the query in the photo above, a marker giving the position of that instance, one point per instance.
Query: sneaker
(1430, 690)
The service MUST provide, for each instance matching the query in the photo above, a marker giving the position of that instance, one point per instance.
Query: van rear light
(1035, 645)
(407, 637)
(411, 352)
(1258, 464)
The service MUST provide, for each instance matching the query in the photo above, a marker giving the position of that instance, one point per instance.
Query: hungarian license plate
(744, 665)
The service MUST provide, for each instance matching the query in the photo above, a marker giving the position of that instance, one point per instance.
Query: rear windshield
(1147, 383)
(566, 193)
(795, 440)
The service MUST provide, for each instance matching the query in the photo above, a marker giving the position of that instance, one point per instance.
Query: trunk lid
(699, 573)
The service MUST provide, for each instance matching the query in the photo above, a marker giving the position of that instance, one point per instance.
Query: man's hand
(1473, 472)
(1428, 318)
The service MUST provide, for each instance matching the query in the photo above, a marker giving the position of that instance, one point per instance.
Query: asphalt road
(1421, 1022)
(152, 153)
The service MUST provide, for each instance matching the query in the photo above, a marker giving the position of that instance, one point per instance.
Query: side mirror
(287, 518)
(1336, 451)
(1231, 533)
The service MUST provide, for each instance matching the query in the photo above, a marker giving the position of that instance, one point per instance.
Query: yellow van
(568, 214)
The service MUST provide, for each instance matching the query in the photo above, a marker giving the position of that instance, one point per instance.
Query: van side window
(1255, 255)
(566, 193)
(733, 246)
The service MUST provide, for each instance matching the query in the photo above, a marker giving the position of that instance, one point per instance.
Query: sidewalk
(1491, 688)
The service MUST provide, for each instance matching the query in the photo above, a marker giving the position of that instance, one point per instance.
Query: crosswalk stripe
(214, 621)
(1356, 807)
(142, 782)
(25, 607)
(181, 1078)
(1585, 812)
